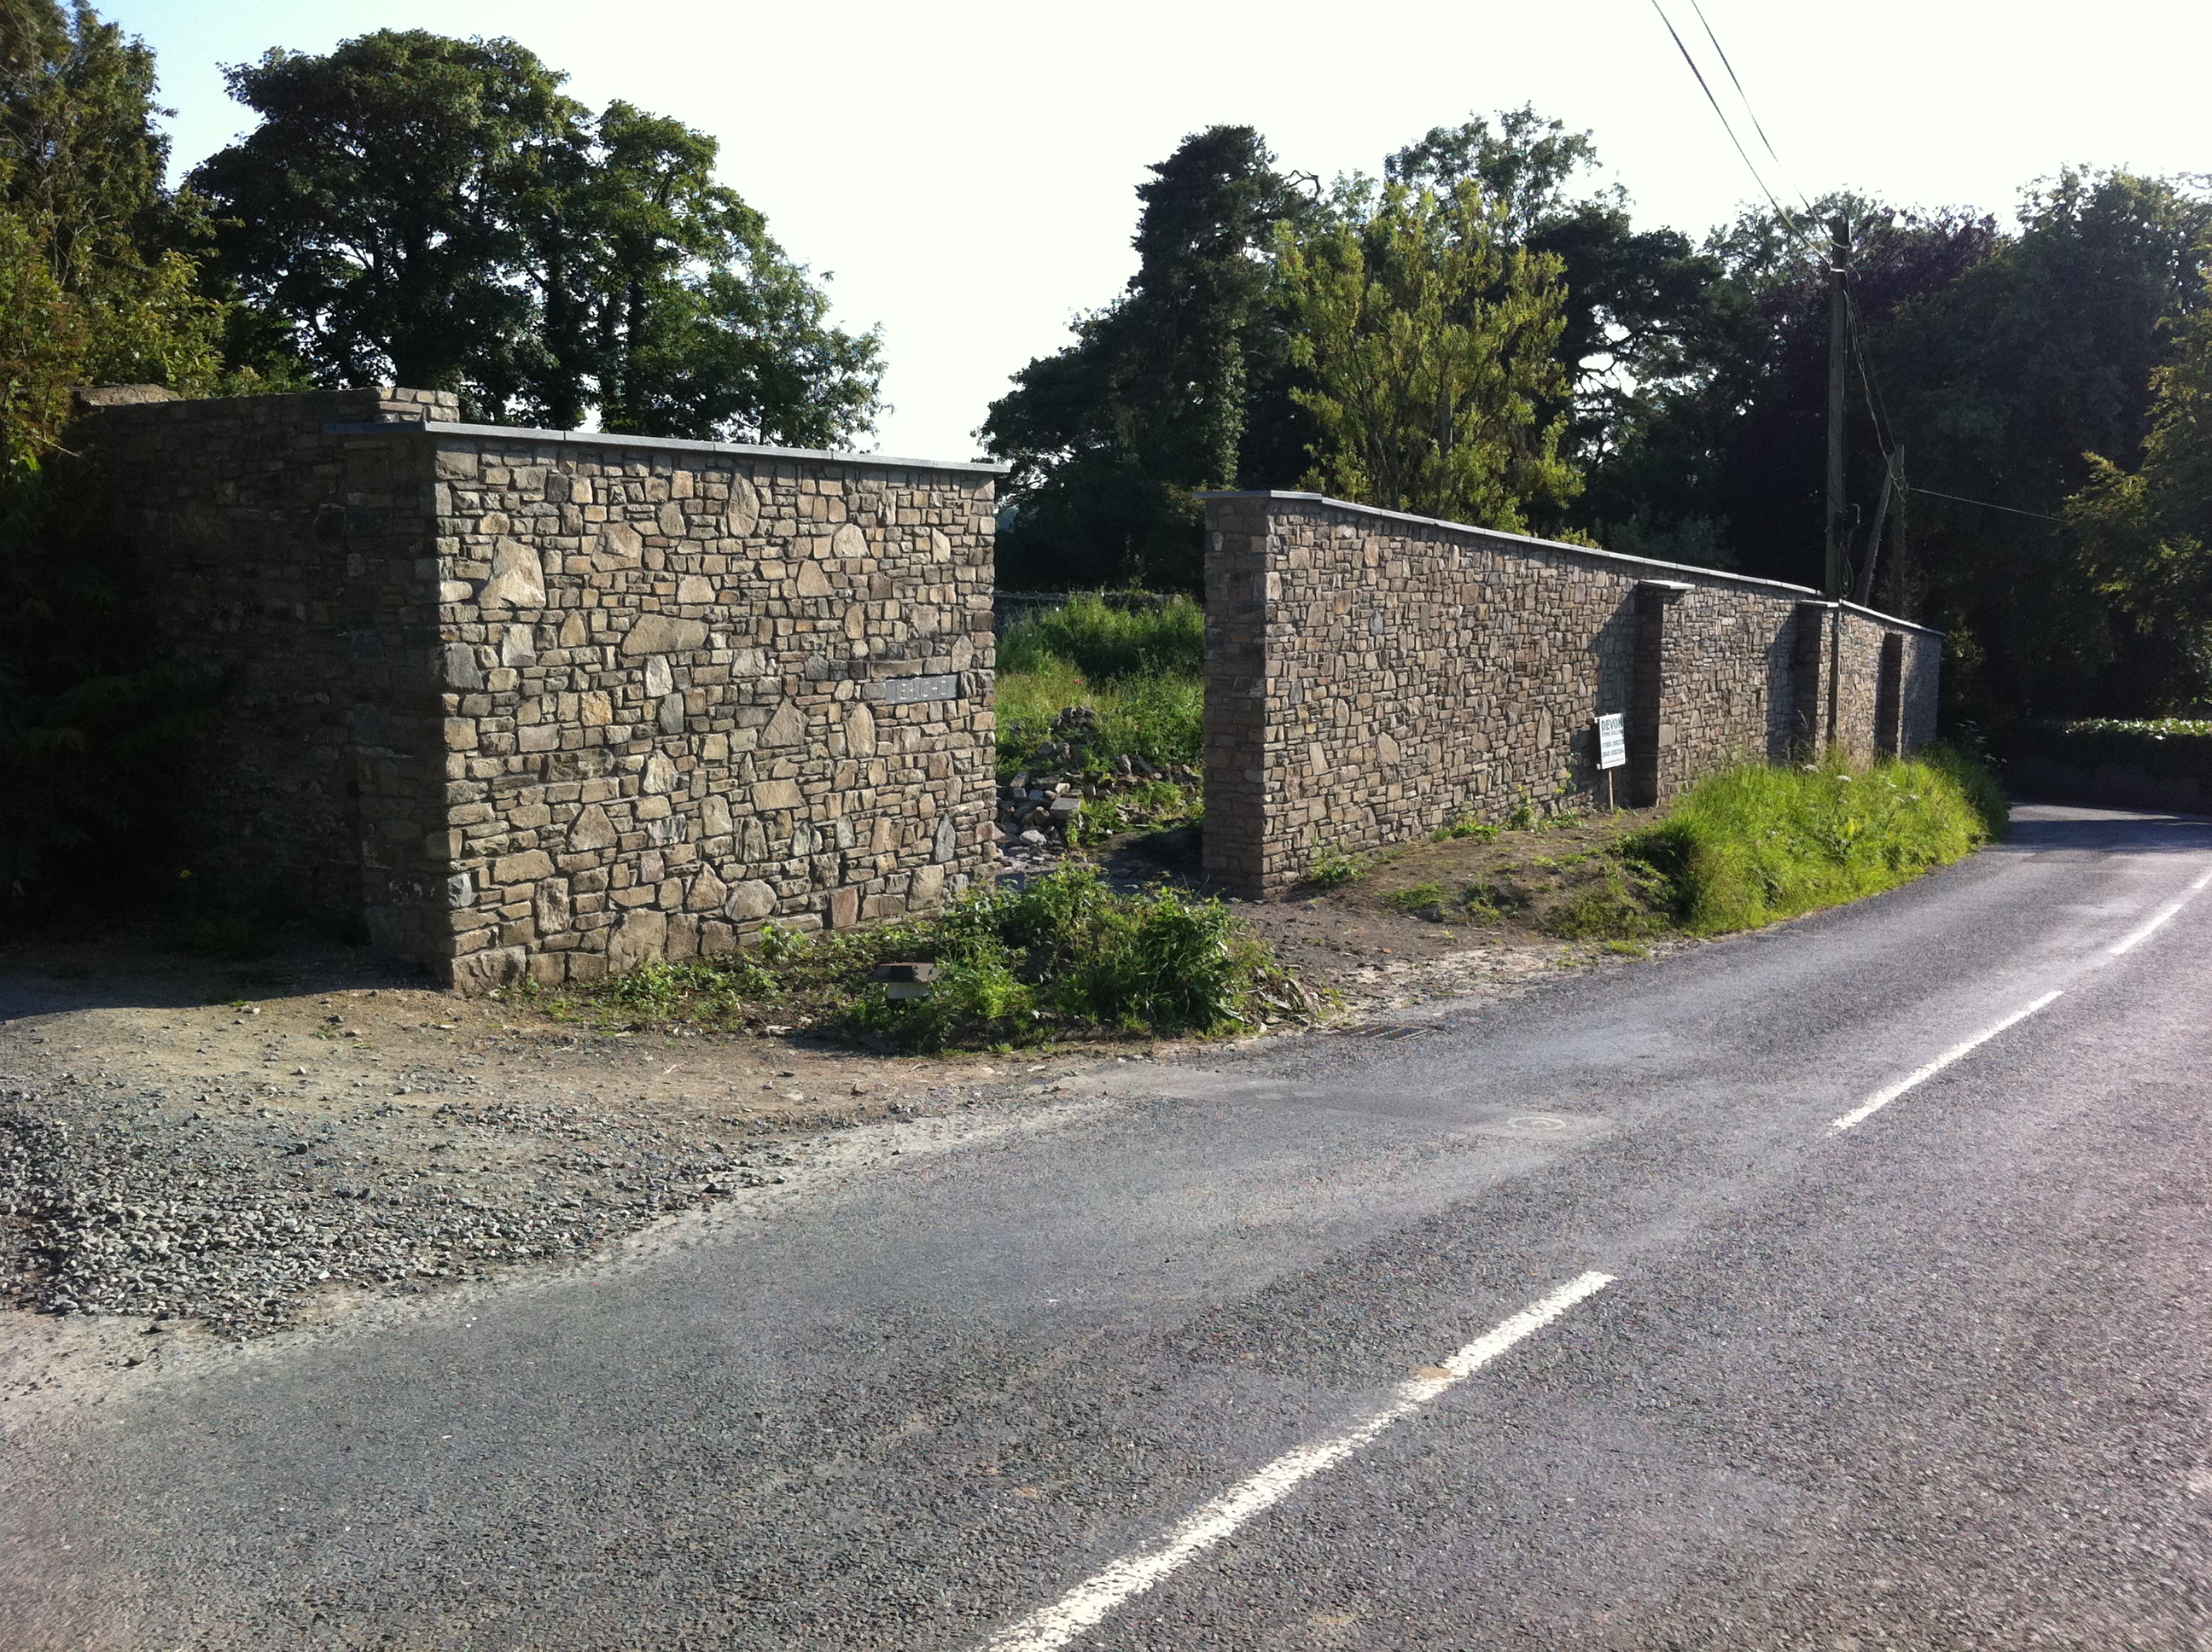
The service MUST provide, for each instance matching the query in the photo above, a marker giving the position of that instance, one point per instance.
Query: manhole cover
(1537, 1121)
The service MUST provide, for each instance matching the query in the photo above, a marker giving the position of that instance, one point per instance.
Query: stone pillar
(1809, 679)
(1889, 698)
(1238, 586)
(1649, 736)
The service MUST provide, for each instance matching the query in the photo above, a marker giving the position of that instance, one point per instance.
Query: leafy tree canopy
(2146, 535)
(1111, 436)
(437, 212)
(1432, 347)
(1195, 378)
(95, 284)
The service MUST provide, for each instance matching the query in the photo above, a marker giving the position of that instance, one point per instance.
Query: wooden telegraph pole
(1839, 253)
(1837, 575)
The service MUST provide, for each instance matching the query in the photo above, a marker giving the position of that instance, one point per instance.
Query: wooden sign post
(1611, 748)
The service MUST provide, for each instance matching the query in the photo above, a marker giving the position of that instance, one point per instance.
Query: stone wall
(1371, 676)
(555, 703)
(284, 565)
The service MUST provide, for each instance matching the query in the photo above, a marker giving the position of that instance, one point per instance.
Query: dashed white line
(1090, 1600)
(2136, 937)
(1882, 1098)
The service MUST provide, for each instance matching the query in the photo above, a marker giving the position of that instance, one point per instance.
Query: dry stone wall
(552, 704)
(1372, 677)
(285, 568)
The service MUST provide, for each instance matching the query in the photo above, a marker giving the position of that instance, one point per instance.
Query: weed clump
(1064, 956)
(1332, 868)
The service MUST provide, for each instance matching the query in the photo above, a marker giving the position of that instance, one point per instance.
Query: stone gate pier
(550, 703)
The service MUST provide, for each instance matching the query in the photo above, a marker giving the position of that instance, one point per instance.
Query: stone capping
(1531, 542)
(678, 444)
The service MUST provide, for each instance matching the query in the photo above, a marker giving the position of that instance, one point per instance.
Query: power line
(1750, 166)
(1876, 403)
(1961, 499)
(1745, 98)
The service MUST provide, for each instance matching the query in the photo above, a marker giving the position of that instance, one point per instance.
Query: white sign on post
(1612, 741)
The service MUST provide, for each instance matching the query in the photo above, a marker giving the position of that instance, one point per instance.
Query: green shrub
(2164, 747)
(1756, 844)
(1064, 953)
(1067, 949)
(1331, 867)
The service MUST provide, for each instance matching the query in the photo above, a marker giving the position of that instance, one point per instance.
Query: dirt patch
(1432, 920)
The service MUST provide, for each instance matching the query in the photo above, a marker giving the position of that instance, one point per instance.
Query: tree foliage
(96, 284)
(1194, 377)
(1432, 347)
(436, 212)
(1110, 437)
(2146, 535)
(1998, 359)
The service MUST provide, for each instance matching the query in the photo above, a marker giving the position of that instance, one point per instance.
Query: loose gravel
(112, 1202)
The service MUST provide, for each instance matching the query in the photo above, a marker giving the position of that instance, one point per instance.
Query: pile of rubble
(1036, 809)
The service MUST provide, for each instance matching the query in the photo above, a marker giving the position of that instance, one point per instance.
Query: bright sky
(966, 171)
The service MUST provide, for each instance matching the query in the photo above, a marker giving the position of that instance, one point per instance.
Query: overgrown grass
(1064, 956)
(1087, 686)
(1757, 844)
(1159, 718)
(1108, 644)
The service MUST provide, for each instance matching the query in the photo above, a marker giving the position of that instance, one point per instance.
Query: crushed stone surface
(185, 1145)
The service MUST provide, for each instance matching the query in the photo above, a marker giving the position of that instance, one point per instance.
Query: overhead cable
(1750, 166)
(1745, 98)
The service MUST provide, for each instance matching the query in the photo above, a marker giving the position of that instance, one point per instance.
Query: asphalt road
(1232, 1359)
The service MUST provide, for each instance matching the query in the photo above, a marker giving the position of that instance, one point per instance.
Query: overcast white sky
(966, 171)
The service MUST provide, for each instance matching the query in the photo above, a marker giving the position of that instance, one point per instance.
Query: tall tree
(692, 319)
(1432, 347)
(95, 284)
(2146, 535)
(1634, 299)
(373, 207)
(1111, 436)
(437, 212)
(1998, 359)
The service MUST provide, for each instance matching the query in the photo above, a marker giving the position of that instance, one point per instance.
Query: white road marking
(2135, 938)
(1090, 1601)
(1882, 1098)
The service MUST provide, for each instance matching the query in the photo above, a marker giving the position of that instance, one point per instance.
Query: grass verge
(1066, 956)
(1757, 844)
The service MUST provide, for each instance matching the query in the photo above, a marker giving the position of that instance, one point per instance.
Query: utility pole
(1863, 581)
(1839, 253)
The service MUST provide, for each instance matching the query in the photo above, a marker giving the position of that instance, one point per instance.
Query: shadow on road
(2069, 829)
